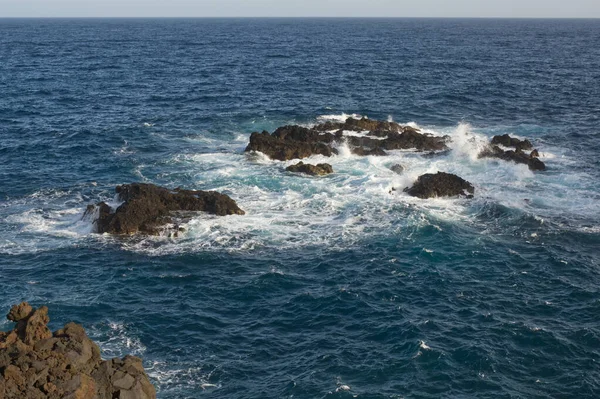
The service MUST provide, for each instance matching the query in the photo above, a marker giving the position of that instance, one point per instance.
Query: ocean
(331, 287)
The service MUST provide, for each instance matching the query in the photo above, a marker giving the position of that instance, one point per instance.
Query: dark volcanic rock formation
(38, 364)
(508, 141)
(313, 170)
(518, 156)
(291, 142)
(441, 185)
(146, 208)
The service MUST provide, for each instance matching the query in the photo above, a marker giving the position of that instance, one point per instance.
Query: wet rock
(517, 156)
(534, 154)
(508, 141)
(365, 151)
(297, 142)
(535, 164)
(313, 170)
(397, 168)
(435, 154)
(147, 208)
(441, 185)
(412, 139)
(284, 147)
(38, 364)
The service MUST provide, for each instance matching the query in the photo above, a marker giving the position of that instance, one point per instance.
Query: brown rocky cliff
(38, 364)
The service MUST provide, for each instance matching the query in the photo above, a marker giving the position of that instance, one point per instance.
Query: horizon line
(287, 17)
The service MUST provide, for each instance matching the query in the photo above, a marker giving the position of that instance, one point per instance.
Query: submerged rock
(38, 364)
(313, 170)
(147, 208)
(397, 168)
(297, 142)
(441, 185)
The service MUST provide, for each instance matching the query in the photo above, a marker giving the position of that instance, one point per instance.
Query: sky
(302, 8)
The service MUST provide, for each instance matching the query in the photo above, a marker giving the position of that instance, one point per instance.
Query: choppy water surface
(328, 287)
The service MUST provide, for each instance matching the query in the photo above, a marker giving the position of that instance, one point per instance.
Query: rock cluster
(38, 364)
(296, 142)
(320, 169)
(517, 155)
(147, 208)
(440, 185)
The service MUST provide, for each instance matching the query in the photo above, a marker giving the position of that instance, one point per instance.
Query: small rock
(313, 170)
(441, 185)
(397, 168)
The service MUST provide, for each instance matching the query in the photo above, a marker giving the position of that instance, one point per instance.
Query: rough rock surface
(38, 364)
(441, 185)
(296, 142)
(508, 141)
(518, 156)
(313, 170)
(147, 208)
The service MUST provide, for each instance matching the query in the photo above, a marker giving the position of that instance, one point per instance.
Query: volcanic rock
(440, 185)
(313, 170)
(517, 156)
(508, 141)
(292, 142)
(397, 168)
(284, 148)
(147, 207)
(38, 364)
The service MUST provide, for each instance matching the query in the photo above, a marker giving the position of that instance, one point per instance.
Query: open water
(328, 287)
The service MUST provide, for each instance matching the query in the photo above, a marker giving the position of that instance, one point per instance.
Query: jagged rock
(412, 139)
(441, 185)
(517, 156)
(313, 170)
(66, 364)
(284, 148)
(360, 125)
(291, 142)
(365, 151)
(397, 168)
(535, 164)
(147, 208)
(508, 141)
(534, 154)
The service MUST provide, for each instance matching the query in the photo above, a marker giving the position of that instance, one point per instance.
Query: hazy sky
(287, 8)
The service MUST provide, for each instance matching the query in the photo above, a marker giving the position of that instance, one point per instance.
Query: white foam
(338, 117)
(116, 339)
(285, 210)
(424, 346)
(171, 375)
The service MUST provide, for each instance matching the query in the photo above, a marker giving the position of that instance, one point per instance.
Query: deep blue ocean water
(330, 287)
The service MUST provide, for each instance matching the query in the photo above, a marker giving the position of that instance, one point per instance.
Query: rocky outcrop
(313, 170)
(147, 208)
(518, 156)
(285, 148)
(297, 142)
(38, 364)
(441, 185)
(507, 141)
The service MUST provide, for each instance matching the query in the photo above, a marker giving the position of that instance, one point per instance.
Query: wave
(361, 200)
